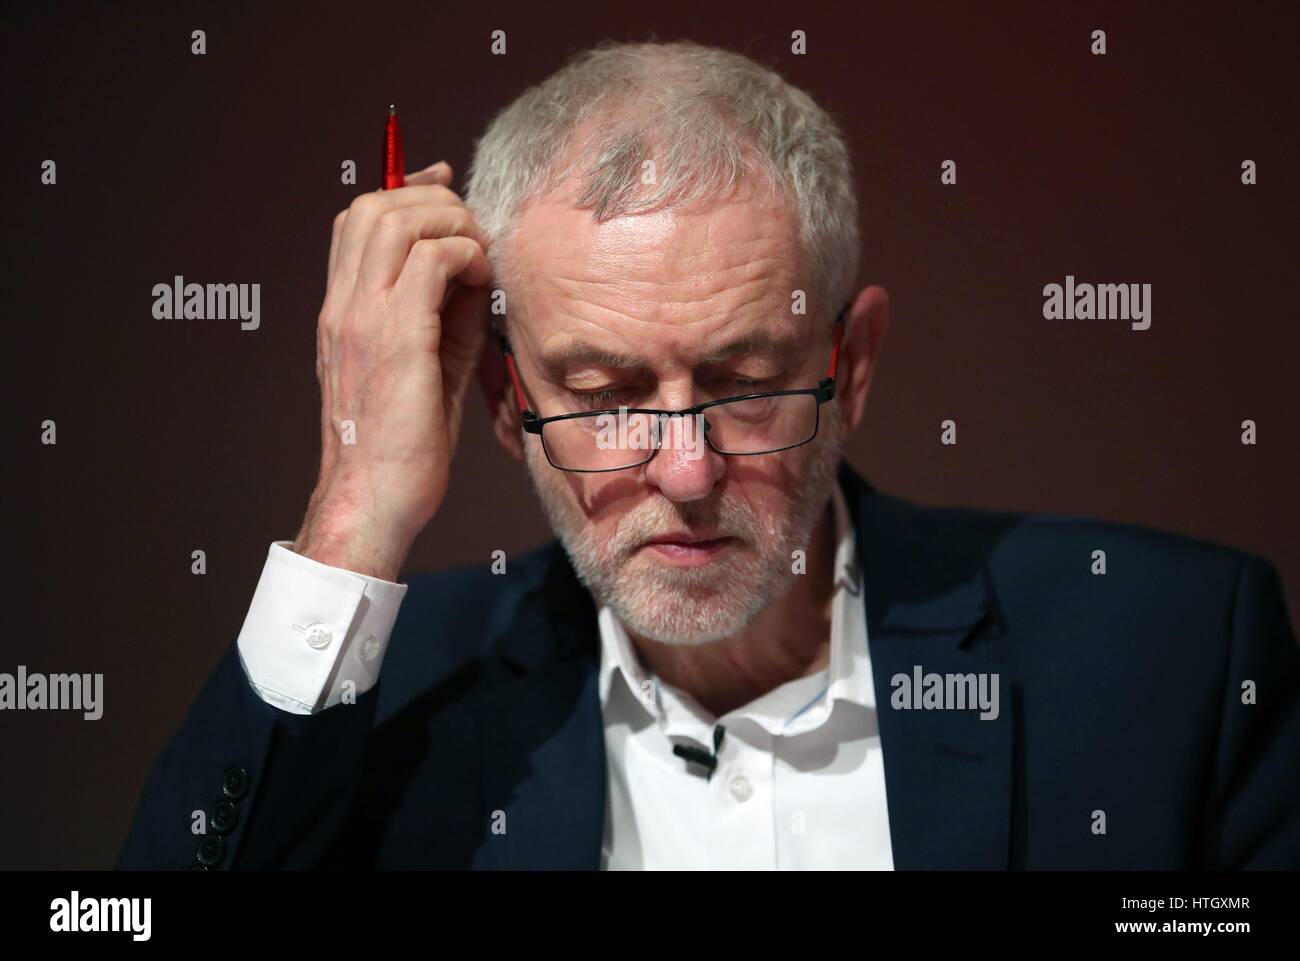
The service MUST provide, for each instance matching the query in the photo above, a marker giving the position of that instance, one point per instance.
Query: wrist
(343, 534)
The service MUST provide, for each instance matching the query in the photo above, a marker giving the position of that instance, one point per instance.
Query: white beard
(693, 605)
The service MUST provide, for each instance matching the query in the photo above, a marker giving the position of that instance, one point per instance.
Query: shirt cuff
(315, 635)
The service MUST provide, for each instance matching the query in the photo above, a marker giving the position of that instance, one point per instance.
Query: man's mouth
(687, 549)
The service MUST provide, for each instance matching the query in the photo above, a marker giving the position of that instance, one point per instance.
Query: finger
(366, 210)
(462, 336)
(435, 173)
(336, 232)
(425, 177)
(431, 266)
(397, 231)
(439, 173)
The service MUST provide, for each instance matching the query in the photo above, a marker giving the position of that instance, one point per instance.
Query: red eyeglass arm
(514, 379)
(835, 344)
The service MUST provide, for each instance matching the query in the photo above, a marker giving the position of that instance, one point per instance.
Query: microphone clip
(707, 760)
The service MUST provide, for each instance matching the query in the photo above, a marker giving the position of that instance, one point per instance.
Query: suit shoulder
(1139, 543)
(1104, 592)
(470, 590)
(1043, 543)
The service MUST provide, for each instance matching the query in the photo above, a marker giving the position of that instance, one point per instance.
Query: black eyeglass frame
(534, 424)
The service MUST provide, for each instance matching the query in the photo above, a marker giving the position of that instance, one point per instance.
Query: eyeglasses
(598, 441)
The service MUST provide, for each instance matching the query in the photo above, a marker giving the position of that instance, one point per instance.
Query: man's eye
(608, 398)
(597, 400)
(736, 386)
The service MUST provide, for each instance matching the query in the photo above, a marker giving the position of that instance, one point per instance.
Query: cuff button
(211, 850)
(234, 783)
(319, 636)
(223, 817)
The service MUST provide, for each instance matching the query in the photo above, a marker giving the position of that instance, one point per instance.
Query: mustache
(727, 516)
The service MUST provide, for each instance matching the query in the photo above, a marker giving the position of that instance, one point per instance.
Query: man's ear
(499, 394)
(859, 348)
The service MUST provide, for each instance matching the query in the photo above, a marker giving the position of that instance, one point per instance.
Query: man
(739, 655)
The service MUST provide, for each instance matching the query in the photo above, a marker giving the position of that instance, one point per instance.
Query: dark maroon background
(177, 435)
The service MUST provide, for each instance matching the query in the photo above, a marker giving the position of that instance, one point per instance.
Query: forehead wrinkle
(572, 351)
(683, 279)
(565, 349)
(653, 291)
(753, 295)
(711, 277)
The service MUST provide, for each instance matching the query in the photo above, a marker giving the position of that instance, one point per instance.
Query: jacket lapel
(948, 773)
(543, 762)
(929, 604)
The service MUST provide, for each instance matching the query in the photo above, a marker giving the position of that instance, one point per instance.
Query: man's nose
(685, 468)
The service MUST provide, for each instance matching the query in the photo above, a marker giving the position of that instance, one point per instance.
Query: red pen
(394, 164)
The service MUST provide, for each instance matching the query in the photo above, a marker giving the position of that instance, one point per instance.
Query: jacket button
(234, 783)
(223, 817)
(211, 850)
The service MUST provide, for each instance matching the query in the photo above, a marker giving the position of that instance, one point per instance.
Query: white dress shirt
(800, 779)
(315, 635)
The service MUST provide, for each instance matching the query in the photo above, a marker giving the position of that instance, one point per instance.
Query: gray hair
(708, 118)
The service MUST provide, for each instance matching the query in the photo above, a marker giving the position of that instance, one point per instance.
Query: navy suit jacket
(1120, 693)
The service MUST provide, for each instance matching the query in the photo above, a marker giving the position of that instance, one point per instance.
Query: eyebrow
(760, 342)
(574, 353)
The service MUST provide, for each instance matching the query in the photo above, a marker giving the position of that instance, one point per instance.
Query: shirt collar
(799, 705)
